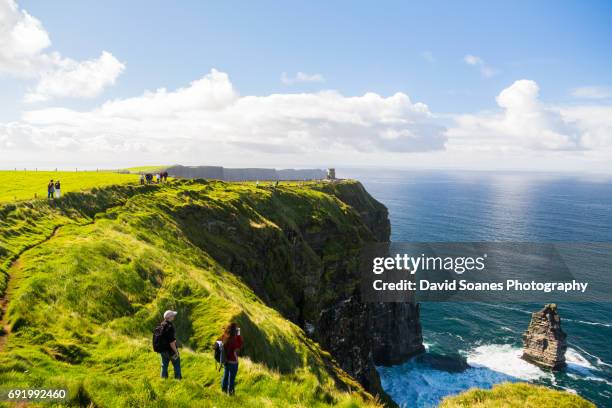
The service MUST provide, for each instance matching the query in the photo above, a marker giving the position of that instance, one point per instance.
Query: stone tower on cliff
(544, 342)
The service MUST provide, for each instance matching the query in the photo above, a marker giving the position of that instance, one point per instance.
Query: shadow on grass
(276, 352)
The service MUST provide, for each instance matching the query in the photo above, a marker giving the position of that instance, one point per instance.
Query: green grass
(26, 185)
(95, 271)
(516, 395)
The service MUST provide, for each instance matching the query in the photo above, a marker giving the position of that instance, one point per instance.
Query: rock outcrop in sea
(544, 342)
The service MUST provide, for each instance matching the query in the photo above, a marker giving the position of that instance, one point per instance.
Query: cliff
(92, 272)
(362, 335)
(544, 342)
(244, 174)
(302, 258)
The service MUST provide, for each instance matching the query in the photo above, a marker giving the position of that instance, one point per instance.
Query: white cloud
(301, 77)
(594, 124)
(525, 123)
(591, 92)
(472, 60)
(212, 92)
(485, 70)
(210, 119)
(23, 45)
(22, 39)
(85, 79)
(208, 122)
(429, 57)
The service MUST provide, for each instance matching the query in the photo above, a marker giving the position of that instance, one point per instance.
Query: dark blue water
(515, 207)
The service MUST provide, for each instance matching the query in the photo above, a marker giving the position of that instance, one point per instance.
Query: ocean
(436, 206)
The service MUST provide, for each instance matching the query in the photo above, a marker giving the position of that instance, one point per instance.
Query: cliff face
(298, 249)
(544, 342)
(93, 272)
(296, 246)
(361, 335)
(237, 174)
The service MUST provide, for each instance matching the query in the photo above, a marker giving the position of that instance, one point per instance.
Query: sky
(489, 85)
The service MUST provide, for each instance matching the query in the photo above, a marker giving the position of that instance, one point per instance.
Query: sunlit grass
(516, 395)
(27, 185)
(85, 298)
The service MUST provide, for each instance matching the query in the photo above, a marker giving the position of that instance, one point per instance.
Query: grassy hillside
(25, 185)
(516, 395)
(91, 274)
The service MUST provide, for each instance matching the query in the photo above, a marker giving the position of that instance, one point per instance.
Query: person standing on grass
(50, 189)
(58, 189)
(168, 348)
(232, 342)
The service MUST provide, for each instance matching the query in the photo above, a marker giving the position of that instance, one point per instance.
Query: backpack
(219, 353)
(159, 340)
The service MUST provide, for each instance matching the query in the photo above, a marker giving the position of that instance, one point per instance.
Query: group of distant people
(226, 351)
(54, 189)
(148, 178)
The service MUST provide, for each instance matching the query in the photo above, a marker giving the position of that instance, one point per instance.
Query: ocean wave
(589, 323)
(577, 362)
(498, 305)
(506, 359)
(418, 384)
(598, 361)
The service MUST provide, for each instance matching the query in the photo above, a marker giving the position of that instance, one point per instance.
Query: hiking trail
(13, 284)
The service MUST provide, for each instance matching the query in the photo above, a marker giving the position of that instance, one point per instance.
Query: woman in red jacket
(232, 342)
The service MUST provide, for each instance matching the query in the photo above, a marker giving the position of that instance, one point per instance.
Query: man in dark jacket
(170, 351)
(50, 189)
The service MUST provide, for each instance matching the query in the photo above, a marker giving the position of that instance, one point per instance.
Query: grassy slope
(516, 395)
(86, 294)
(23, 185)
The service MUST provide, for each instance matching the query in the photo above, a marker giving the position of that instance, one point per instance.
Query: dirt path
(12, 285)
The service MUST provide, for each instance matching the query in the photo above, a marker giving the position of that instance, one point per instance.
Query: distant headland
(244, 174)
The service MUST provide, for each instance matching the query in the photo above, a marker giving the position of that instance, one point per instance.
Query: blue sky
(416, 48)
(357, 46)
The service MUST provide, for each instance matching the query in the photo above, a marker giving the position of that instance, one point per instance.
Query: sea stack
(544, 343)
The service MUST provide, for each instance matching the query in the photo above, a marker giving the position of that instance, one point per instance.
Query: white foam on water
(589, 323)
(598, 361)
(416, 384)
(516, 309)
(599, 379)
(506, 359)
(577, 363)
(554, 382)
